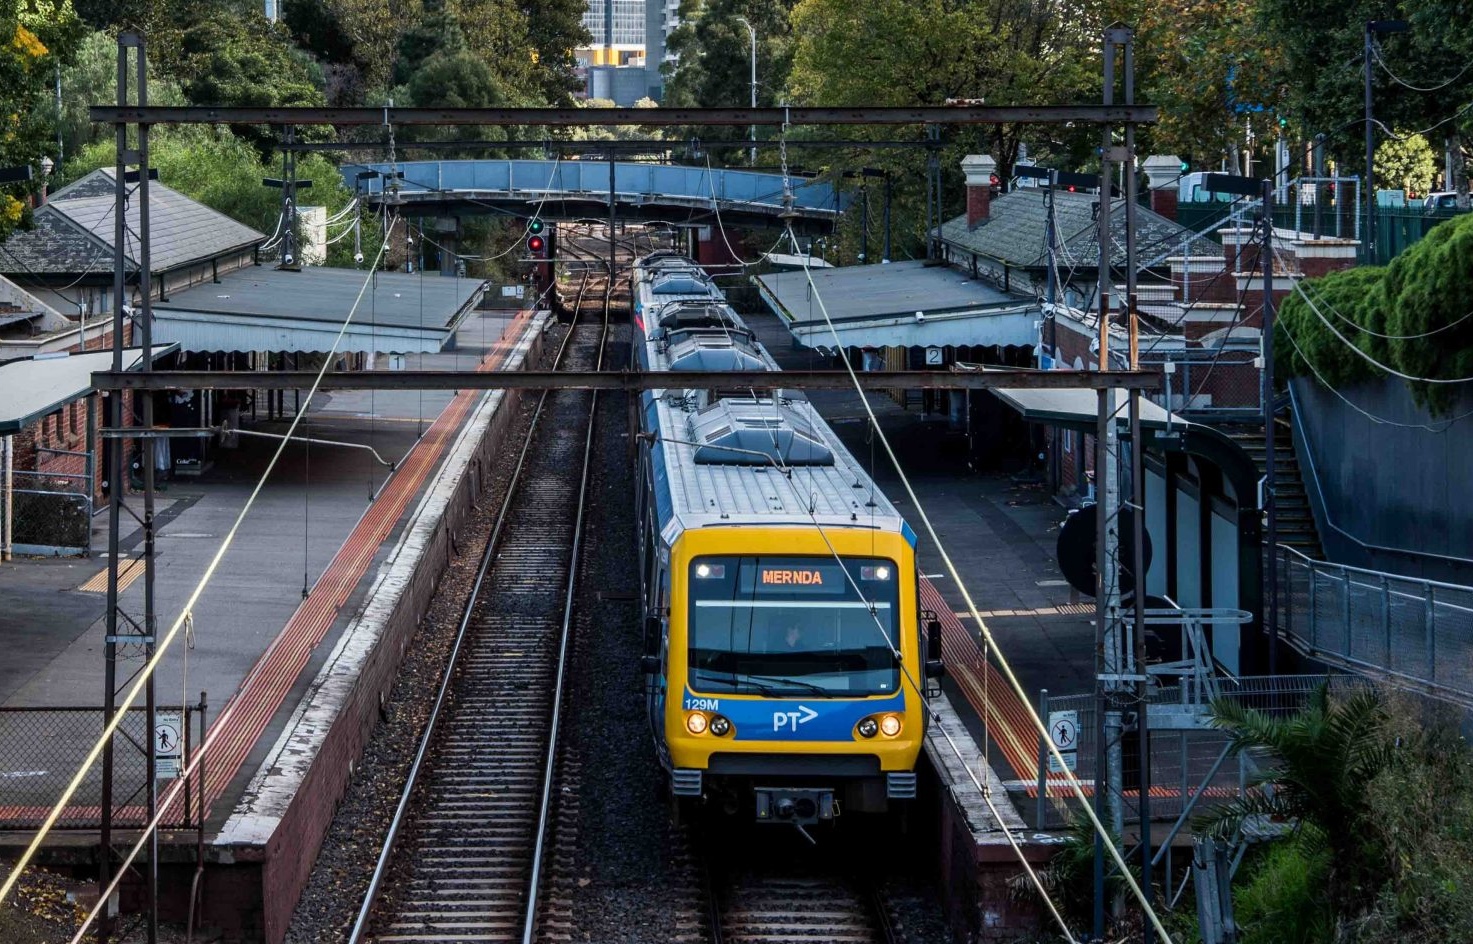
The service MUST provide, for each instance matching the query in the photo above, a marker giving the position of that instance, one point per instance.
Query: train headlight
(696, 723)
(720, 725)
(890, 725)
(869, 727)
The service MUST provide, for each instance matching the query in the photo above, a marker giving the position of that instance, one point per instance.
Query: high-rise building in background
(617, 27)
(660, 19)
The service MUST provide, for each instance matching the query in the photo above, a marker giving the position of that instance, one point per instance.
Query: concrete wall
(270, 843)
(1390, 497)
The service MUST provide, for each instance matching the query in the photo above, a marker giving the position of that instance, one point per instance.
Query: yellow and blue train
(783, 647)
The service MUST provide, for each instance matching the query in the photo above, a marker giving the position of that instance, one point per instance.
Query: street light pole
(1373, 29)
(752, 34)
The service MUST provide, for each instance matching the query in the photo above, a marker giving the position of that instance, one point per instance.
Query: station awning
(35, 387)
(1077, 409)
(258, 308)
(902, 304)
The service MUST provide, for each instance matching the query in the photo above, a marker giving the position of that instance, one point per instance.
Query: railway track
(463, 859)
(788, 904)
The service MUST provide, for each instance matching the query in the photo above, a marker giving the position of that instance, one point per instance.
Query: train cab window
(787, 626)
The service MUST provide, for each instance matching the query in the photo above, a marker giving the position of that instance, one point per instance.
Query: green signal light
(1185, 167)
(536, 226)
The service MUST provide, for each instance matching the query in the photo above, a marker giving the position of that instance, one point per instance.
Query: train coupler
(794, 807)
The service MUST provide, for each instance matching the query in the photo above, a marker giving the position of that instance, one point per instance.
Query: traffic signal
(536, 226)
(536, 244)
(1283, 122)
(1185, 167)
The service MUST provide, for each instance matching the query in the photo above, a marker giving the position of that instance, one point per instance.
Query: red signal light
(536, 243)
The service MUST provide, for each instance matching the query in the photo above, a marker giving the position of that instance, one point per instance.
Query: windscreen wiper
(757, 681)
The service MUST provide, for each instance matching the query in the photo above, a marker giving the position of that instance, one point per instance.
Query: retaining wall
(262, 858)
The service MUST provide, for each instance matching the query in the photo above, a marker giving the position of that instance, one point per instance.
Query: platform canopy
(38, 386)
(260, 308)
(1077, 409)
(876, 306)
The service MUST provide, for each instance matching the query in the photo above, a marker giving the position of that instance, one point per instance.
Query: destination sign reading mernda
(814, 579)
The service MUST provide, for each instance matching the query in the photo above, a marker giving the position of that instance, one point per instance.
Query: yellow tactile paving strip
(130, 570)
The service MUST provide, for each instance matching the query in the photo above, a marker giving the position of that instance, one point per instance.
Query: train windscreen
(793, 626)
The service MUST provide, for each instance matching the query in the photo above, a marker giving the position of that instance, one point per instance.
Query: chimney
(1163, 172)
(979, 169)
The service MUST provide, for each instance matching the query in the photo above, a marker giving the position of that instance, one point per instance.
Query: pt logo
(789, 720)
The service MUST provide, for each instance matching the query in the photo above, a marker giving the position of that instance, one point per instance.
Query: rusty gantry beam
(623, 380)
(586, 117)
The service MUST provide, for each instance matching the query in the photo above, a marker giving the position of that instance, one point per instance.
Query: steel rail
(607, 117)
(488, 557)
(625, 380)
(544, 813)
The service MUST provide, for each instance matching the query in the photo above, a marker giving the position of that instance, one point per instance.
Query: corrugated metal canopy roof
(32, 388)
(1074, 408)
(266, 309)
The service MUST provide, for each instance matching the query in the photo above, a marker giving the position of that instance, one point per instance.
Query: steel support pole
(1135, 655)
(150, 447)
(1270, 490)
(886, 257)
(612, 193)
(1369, 229)
(116, 490)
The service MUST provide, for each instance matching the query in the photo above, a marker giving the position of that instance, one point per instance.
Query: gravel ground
(38, 911)
(619, 856)
(330, 902)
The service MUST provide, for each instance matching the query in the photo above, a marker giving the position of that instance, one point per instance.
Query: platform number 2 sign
(1063, 730)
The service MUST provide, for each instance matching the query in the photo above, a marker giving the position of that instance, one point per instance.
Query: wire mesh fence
(1191, 770)
(51, 512)
(1208, 381)
(42, 748)
(1412, 631)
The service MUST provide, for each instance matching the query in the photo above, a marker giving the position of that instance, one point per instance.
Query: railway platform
(295, 637)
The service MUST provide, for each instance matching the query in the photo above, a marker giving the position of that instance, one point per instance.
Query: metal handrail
(1325, 565)
(1324, 507)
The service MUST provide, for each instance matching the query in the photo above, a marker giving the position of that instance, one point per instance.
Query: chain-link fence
(51, 513)
(1399, 628)
(41, 749)
(1208, 381)
(1189, 767)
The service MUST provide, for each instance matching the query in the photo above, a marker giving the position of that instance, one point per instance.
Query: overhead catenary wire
(1073, 782)
(1379, 420)
(1381, 61)
(1368, 358)
(148, 669)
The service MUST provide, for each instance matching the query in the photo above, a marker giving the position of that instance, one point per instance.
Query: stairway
(1294, 516)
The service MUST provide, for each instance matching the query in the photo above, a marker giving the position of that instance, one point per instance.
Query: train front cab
(773, 692)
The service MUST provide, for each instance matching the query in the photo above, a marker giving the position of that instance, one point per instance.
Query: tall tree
(715, 49)
(35, 37)
(554, 29)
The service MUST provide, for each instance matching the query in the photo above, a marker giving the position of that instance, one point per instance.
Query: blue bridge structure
(580, 189)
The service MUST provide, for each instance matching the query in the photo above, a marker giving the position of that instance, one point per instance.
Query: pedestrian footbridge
(573, 189)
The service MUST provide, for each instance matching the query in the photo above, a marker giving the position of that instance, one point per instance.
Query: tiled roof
(1015, 231)
(74, 231)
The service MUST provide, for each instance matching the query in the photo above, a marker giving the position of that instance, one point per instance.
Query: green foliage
(1406, 163)
(92, 78)
(1429, 287)
(1280, 901)
(1349, 300)
(715, 50)
(1422, 300)
(224, 173)
(1380, 789)
(1321, 760)
(246, 61)
(34, 36)
(1069, 876)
